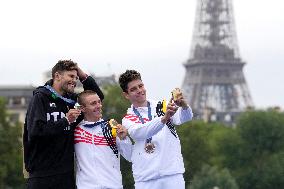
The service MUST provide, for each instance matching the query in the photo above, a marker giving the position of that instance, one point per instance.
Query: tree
(210, 178)
(195, 149)
(114, 103)
(254, 154)
(274, 171)
(200, 143)
(216, 134)
(10, 152)
(262, 131)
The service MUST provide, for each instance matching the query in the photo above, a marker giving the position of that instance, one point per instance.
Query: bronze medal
(149, 148)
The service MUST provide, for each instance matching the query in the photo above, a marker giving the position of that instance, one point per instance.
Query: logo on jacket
(52, 105)
(54, 116)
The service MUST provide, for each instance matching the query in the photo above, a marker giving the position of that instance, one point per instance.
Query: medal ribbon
(91, 125)
(141, 118)
(70, 101)
(106, 128)
(160, 112)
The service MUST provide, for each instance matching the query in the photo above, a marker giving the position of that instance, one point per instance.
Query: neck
(91, 118)
(58, 89)
(140, 104)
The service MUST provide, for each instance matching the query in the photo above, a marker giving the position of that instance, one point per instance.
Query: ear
(57, 76)
(126, 95)
(83, 109)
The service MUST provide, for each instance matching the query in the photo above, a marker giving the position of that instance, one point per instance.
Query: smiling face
(136, 93)
(92, 107)
(65, 75)
(66, 81)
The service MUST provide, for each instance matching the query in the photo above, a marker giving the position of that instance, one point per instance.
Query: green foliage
(216, 134)
(274, 171)
(200, 143)
(229, 145)
(262, 131)
(114, 103)
(211, 178)
(10, 152)
(126, 171)
(115, 106)
(195, 148)
(254, 153)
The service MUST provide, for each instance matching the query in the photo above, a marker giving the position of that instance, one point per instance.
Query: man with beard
(49, 128)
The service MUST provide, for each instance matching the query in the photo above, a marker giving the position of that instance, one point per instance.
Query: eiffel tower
(214, 82)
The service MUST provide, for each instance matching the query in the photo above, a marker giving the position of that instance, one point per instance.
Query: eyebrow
(132, 88)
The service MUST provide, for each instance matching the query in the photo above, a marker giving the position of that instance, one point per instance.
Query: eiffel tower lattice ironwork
(214, 79)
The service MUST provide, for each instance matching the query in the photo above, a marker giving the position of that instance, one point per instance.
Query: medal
(149, 148)
(113, 124)
(176, 93)
(77, 106)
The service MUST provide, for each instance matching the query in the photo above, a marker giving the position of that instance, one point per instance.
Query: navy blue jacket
(48, 138)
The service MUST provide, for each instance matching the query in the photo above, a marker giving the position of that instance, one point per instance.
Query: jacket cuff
(82, 79)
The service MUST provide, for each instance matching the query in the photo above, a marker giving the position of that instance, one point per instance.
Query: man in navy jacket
(49, 128)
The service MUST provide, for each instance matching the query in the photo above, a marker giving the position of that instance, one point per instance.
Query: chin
(142, 100)
(70, 90)
(98, 115)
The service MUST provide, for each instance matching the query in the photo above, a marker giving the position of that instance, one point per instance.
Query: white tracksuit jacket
(167, 158)
(97, 165)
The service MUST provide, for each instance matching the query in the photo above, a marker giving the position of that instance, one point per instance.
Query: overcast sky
(153, 36)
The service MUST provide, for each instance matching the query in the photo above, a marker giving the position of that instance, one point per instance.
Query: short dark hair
(83, 94)
(127, 77)
(64, 65)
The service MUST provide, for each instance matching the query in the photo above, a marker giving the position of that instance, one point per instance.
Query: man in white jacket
(97, 147)
(156, 158)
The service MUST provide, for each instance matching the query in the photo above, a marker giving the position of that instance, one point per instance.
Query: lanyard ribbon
(70, 101)
(91, 125)
(141, 118)
(106, 128)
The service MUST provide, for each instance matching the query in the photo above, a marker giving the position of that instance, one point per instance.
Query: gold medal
(113, 123)
(149, 148)
(176, 93)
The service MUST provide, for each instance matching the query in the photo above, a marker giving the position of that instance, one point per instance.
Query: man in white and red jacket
(97, 147)
(156, 155)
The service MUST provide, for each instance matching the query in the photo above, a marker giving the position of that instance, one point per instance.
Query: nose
(139, 90)
(99, 105)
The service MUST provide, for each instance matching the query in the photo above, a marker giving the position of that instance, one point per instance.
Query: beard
(69, 87)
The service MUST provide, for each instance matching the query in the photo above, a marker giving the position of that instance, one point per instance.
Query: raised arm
(184, 112)
(89, 83)
(139, 131)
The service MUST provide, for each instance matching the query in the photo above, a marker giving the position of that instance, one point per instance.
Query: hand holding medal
(178, 98)
(118, 129)
(169, 110)
(73, 114)
(176, 94)
(113, 124)
(77, 106)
